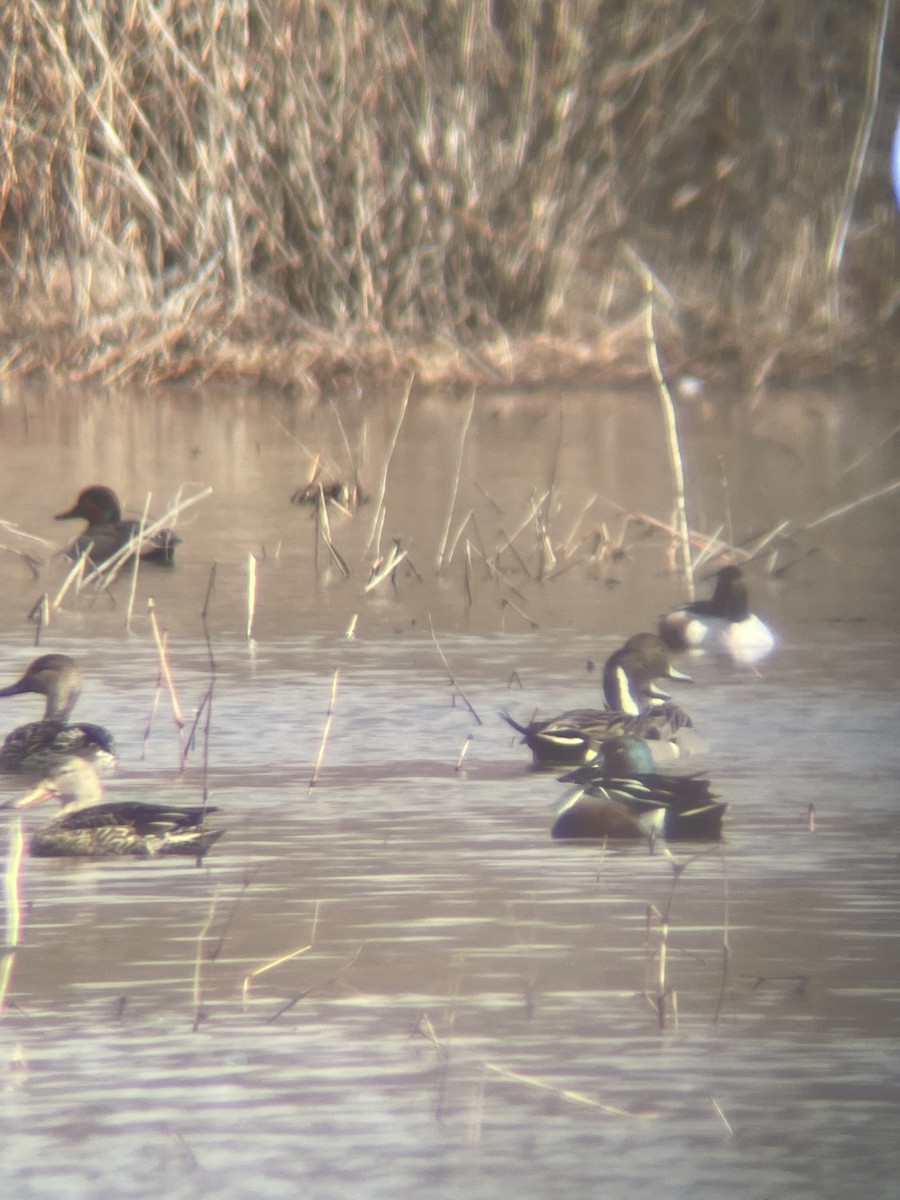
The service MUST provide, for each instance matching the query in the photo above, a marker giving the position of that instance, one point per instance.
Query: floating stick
(721, 1115)
(269, 966)
(568, 1093)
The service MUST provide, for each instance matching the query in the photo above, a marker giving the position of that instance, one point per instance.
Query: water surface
(469, 1007)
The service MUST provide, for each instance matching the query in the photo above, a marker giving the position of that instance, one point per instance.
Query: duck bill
(14, 689)
(70, 515)
(674, 673)
(42, 791)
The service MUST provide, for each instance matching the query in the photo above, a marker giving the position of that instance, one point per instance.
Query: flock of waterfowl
(612, 755)
(68, 757)
(616, 751)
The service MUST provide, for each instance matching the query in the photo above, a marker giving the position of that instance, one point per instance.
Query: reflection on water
(464, 1008)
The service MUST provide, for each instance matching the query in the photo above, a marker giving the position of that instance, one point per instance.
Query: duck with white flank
(724, 622)
(636, 707)
(88, 826)
(40, 746)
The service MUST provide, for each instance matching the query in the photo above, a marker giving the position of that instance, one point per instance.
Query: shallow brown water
(469, 1019)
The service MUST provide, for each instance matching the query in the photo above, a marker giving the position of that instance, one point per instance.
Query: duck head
(730, 598)
(75, 784)
(97, 505)
(629, 677)
(54, 676)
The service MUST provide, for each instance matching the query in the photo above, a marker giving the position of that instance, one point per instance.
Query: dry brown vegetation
(313, 192)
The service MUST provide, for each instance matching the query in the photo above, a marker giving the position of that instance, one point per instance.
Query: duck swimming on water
(40, 746)
(621, 796)
(107, 533)
(88, 826)
(635, 707)
(724, 622)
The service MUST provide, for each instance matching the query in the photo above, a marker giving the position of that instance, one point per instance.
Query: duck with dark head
(106, 533)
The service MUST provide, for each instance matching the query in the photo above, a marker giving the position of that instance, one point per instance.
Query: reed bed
(311, 193)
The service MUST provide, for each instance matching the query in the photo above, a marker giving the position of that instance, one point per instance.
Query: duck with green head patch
(621, 796)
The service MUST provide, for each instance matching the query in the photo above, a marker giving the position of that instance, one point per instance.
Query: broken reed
(191, 170)
(658, 990)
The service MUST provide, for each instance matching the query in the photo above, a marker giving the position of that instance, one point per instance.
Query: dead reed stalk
(378, 514)
(570, 1094)
(453, 683)
(454, 488)
(165, 672)
(251, 594)
(835, 254)
(326, 732)
(12, 891)
(671, 428)
(186, 196)
(198, 967)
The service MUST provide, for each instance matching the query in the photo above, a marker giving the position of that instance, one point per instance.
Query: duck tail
(515, 724)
